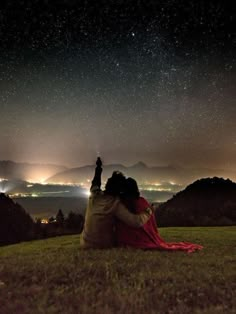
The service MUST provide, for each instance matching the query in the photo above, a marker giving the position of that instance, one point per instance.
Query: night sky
(129, 80)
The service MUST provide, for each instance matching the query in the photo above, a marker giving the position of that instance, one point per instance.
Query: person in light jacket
(103, 210)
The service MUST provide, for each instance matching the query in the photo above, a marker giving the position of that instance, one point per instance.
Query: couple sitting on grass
(119, 217)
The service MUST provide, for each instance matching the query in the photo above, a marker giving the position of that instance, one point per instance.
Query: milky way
(130, 80)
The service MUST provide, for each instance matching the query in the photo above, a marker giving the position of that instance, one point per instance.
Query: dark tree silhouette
(75, 222)
(60, 218)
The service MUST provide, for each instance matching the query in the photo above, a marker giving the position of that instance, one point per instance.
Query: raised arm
(96, 182)
(133, 220)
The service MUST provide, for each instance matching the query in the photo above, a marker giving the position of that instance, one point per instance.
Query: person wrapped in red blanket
(147, 236)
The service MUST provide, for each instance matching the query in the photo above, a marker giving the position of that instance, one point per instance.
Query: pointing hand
(99, 162)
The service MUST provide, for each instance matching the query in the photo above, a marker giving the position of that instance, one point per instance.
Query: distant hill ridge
(208, 201)
(140, 171)
(26, 171)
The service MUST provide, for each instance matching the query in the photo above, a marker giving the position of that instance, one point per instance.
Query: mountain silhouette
(208, 201)
(26, 171)
(141, 172)
(139, 165)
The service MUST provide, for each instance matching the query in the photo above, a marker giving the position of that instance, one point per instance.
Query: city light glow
(87, 192)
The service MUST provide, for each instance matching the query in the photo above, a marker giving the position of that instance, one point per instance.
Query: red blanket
(147, 237)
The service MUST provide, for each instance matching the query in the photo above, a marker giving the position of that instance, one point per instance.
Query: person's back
(103, 209)
(144, 237)
(147, 236)
(99, 221)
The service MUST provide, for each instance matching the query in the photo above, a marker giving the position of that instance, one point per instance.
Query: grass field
(55, 276)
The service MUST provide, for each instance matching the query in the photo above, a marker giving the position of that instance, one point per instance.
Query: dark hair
(131, 188)
(115, 184)
(131, 193)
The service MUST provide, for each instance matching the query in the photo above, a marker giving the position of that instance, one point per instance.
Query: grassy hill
(55, 276)
(205, 202)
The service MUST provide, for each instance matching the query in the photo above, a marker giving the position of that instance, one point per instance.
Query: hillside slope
(210, 201)
(15, 223)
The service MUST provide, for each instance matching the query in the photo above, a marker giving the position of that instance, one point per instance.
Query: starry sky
(128, 80)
